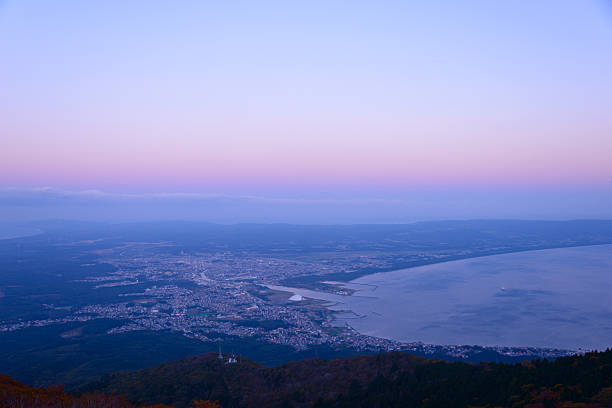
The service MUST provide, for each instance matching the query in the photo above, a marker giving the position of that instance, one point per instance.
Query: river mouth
(557, 298)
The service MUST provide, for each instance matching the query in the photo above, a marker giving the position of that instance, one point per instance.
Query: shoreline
(317, 282)
(336, 304)
(419, 347)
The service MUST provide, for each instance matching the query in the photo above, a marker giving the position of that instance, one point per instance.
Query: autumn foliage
(377, 381)
(16, 395)
(206, 404)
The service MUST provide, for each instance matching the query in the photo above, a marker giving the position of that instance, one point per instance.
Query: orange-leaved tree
(206, 404)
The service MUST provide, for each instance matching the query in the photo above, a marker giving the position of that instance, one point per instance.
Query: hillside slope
(383, 380)
(16, 395)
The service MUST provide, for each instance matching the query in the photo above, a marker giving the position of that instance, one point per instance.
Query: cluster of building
(206, 296)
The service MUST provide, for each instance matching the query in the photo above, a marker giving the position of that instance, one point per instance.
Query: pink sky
(208, 98)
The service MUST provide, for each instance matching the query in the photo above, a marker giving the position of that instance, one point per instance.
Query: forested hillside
(16, 395)
(383, 380)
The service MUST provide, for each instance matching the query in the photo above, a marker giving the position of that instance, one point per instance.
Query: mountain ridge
(383, 380)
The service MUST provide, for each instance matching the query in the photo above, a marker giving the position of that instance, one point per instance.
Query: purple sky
(312, 111)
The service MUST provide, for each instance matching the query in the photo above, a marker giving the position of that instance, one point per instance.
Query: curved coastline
(553, 297)
(350, 277)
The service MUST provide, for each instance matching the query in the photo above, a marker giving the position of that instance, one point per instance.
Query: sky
(307, 112)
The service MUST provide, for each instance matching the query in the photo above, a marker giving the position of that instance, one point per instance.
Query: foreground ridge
(383, 380)
(13, 394)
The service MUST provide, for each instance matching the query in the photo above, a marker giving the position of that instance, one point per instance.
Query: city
(208, 296)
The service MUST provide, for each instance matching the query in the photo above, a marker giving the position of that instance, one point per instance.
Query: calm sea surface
(550, 298)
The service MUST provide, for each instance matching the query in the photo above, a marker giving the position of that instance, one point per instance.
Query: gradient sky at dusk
(394, 102)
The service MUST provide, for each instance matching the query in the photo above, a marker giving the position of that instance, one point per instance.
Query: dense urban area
(226, 293)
